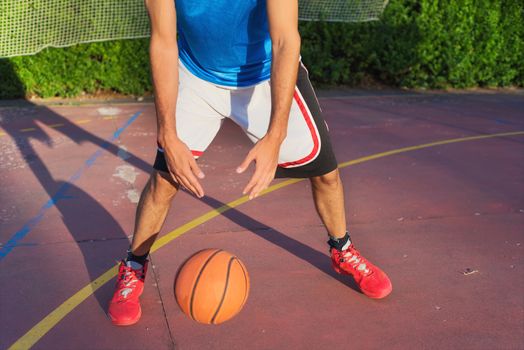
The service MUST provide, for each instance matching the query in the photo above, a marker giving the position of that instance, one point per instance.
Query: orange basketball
(212, 286)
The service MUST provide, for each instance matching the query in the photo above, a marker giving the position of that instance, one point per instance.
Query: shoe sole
(125, 323)
(372, 296)
(379, 296)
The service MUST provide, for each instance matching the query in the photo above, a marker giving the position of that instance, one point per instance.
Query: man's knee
(162, 186)
(329, 180)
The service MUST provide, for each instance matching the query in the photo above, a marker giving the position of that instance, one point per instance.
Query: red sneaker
(124, 308)
(372, 281)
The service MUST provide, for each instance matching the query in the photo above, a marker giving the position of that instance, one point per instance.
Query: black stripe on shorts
(325, 161)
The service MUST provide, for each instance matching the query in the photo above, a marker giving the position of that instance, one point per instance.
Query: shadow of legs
(311, 256)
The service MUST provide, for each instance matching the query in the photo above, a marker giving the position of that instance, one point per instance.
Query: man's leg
(328, 195)
(199, 116)
(151, 212)
(307, 153)
(124, 307)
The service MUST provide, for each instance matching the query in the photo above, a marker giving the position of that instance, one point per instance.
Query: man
(237, 59)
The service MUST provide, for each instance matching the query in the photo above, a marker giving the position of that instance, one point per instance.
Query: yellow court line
(27, 129)
(111, 117)
(2, 134)
(53, 318)
(83, 121)
(426, 145)
(55, 125)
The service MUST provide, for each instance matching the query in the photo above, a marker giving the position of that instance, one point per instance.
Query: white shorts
(203, 106)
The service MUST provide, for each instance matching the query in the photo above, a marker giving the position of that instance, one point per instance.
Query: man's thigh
(198, 118)
(307, 150)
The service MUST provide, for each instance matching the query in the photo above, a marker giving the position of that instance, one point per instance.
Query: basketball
(212, 286)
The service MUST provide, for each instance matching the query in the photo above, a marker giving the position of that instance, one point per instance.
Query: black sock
(340, 243)
(141, 259)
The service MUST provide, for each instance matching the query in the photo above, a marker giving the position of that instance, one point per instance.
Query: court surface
(434, 187)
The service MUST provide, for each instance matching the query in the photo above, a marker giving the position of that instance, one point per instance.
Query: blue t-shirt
(225, 42)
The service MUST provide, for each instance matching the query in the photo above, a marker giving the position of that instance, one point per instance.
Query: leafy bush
(121, 66)
(424, 44)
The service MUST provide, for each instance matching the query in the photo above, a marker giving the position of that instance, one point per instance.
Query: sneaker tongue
(134, 265)
(347, 245)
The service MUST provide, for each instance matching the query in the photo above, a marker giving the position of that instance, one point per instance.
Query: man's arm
(283, 28)
(163, 52)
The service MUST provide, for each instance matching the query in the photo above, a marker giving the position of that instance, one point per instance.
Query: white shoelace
(356, 262)
(130, 284)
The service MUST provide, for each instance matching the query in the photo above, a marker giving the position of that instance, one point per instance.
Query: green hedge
(424, 44)
(121, 66)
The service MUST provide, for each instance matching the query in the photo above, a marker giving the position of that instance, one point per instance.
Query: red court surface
(444, 220)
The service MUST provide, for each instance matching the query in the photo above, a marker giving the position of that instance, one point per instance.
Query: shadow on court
(300, 250)
(430, 214)
(84, 218)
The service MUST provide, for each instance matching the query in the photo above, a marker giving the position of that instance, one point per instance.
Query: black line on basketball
(225, 289)
(246, 283)
(196, 282)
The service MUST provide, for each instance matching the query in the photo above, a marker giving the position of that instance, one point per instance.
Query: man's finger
(196, 169)
(185, 183)
(256, 187)
(194, 183)
(252, 183)
(194, 190)
(263, 185)
(245, 164)
(171, 173)
(256, 190)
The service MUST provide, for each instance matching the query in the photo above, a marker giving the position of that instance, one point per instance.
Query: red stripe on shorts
(196, 153)
(309, 121)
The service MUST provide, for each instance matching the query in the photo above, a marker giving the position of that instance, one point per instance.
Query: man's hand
(265, 156)
(183, 167)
